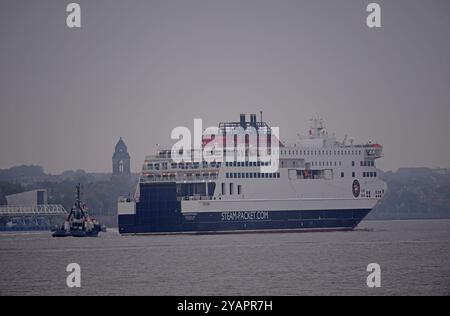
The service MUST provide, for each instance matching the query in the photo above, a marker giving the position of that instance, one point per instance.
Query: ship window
(223, 188)
(375, 174)
(239, 189)
(251, 175)
(342, 174)
(231, 188)
(353, 174)
(353, 163)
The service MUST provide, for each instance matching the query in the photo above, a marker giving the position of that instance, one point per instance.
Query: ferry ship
(318, 184)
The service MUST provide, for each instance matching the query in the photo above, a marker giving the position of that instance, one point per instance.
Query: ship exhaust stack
(253, 120)
(242, 120)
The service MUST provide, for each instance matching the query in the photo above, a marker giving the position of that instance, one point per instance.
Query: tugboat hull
(60, 233)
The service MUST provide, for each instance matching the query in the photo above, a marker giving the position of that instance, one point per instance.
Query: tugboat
(79, 223)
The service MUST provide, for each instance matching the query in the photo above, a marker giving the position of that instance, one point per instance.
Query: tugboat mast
(78, 200)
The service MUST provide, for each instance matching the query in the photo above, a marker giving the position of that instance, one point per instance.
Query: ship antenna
(261, 113)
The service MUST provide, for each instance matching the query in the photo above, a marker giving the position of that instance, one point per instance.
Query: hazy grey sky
(137, 69)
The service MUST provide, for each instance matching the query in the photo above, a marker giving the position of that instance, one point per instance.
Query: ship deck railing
(177, 179)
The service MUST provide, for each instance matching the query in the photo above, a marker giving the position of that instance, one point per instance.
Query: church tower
(121, 161)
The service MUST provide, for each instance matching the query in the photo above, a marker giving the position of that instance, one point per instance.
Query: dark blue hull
(159, 211)
(276, 220)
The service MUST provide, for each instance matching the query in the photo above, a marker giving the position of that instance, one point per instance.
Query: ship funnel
(253, 119)
(242, 120)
